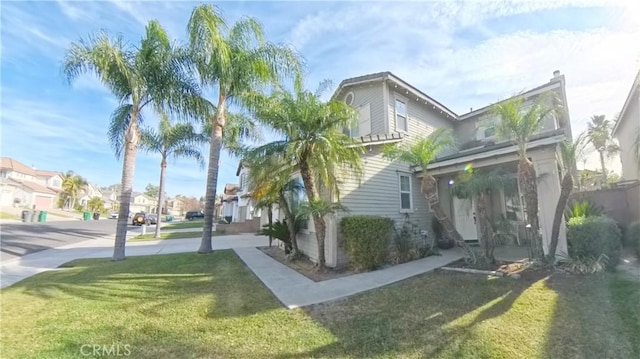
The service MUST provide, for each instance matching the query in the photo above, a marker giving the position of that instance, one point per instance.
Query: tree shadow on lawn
(431, 315)
(152, 282)
(596, 316)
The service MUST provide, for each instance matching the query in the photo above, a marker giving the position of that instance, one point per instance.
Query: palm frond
(118, 125)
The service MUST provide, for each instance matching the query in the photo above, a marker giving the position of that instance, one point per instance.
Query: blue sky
(462, 54)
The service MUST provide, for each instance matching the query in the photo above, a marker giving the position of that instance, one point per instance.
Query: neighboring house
(110, 200)
(142, 203)
(176, 207)
(24, 186)
(246, 209)
(87, 193)
(393, 111)
(626, 130)
(230, 202)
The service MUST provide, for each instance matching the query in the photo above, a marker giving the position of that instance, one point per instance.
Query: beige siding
(625, 134)
(371, 94)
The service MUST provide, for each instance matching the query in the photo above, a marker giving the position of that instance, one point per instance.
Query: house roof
(48, 173)
(17, 166)
(37, 188)
(526, 94)
(387, 75)
(231, 187)
(634, 88)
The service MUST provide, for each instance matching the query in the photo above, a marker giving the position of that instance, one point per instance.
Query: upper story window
(486, 129)
(401, 115)
(405, 191)
(55, 182)
(243, 181)
(363, 126)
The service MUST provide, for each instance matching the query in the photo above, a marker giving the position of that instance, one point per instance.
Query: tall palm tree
(519, 125)
(236, 61)
(478, 185)
(171, 141)
(421, 153)
(313, 143)
(569, 152)
(599, 134)
(71, 185)
(150, 74)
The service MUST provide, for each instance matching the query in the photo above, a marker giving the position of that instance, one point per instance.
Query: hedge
(633, 237)
(589, 237)
(366, 240)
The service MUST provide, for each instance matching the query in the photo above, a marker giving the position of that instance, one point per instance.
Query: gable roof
(37, 188)
(634, 88)
(387, 75)
(49, 174)
(17, 166)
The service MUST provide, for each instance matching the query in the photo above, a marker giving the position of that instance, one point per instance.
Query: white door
(464, 218)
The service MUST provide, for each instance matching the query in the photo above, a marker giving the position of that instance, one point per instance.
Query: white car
(113, 215)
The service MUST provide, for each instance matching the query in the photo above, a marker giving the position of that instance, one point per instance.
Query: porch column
(546, 168)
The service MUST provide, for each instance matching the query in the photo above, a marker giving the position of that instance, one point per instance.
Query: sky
(463, 54)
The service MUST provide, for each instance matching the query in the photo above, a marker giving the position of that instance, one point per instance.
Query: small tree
(71, 186)
(95, 204)
(151, 190)
(599, 135)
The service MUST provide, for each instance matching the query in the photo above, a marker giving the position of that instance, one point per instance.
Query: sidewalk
(15, 270)
(295, 290)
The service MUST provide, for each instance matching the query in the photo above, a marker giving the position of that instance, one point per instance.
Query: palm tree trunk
(487, 239)
(270, 218)
(429, 188)
(212, 175)
(318, 221)
(128, 170)
(163, 169)
(290, 221)
(565, 192)
(527, 179)
(604, 169)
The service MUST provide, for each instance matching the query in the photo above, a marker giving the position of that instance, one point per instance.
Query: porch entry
(465, 221)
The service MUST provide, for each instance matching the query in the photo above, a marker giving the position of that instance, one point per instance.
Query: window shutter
(365, 120)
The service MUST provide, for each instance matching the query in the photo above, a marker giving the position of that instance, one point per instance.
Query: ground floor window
(405, 191)
(512, 201)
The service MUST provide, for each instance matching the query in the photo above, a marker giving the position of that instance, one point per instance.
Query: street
(20, 239)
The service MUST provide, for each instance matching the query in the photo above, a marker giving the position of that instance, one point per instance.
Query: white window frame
(482, 126)
(406, 114)
(400, 192)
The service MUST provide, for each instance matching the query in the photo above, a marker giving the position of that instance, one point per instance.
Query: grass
(187, 224)
(192, 306)
(168, 235)
(5, 215)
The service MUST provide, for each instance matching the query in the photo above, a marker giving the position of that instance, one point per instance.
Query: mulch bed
(306, 267)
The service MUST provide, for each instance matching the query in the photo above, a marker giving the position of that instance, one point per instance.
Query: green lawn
(168, 235)
(187, 224)
(5, 215)
(194, 306)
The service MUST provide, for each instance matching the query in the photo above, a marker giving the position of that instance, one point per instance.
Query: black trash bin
(96, 215)
(25, 216)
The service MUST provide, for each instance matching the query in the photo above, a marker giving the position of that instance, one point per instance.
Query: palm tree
(95, 204)
(178, 141)
(237, 62)
(519, 126)
(599, 134)
(478, 186)
(151, 74)
(71, 185)
(421, 153)
(569, 151)
(313, 143)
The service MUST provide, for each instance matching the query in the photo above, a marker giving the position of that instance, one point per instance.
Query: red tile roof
(48, 173)
(38, 188)
(10, 163)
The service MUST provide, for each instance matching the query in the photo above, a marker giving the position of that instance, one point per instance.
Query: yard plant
(366, 240)
(590, 237)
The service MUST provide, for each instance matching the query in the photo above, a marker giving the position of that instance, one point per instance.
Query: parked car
(113, 215)
(191, 215)
(153, 219)
(140, 218)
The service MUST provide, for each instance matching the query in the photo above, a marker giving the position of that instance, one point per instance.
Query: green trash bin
(169, 218)
(42, 217)
(86, 216)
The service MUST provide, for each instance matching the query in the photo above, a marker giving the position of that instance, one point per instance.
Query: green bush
(590, 237)
(582, 209)
(632, 237)
(366, 240)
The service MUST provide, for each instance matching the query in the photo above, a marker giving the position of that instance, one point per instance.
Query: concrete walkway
(15, 270)
(295, 290)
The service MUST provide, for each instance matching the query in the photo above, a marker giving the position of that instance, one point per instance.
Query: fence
(621, 202)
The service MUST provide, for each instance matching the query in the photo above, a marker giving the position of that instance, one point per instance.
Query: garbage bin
(86, 216)
(96, 216)
(169, 218)
(34, 216)
(43, 216)
(25, 216)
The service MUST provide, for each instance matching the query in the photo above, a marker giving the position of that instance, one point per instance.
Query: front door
(464, 215)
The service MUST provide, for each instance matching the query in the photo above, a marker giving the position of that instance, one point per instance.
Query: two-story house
(246, 210)
(140, 202)
(627, 132)
(87, 193)
(24, 186)
(392, 111)
(230, 202)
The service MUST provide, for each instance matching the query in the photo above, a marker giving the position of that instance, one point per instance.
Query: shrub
(584, 265)
(366, 240)
(582, 209)
(278, 230)
(632, 237)
(590, 237)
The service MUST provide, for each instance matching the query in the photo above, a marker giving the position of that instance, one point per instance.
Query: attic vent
(349, 98)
